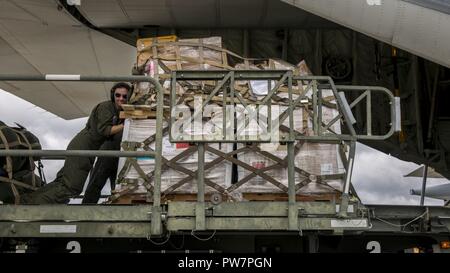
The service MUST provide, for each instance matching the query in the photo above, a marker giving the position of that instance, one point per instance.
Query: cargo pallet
(292, 225)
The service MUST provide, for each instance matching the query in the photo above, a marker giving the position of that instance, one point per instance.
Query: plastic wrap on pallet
(206, 54)
(315, 158)
(261, 87)
(138, 130)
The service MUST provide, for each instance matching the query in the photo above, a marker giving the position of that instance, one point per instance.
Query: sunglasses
(120, 95)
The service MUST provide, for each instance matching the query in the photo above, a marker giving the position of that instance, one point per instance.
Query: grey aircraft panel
(417, 29)
(37, 38)
(197, 14)
(13, 62)
(439, 5)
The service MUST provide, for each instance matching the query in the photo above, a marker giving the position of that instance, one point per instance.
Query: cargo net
(233, 171)
(158, 57)
(17, 175)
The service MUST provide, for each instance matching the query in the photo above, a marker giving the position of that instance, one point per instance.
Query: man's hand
(116, 129)
(117, 120)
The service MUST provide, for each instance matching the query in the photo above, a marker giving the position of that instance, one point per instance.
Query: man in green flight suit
(102, 125)
(105, 168)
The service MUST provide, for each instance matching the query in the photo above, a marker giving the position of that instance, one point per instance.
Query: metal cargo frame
(225, 82)
(145, 221)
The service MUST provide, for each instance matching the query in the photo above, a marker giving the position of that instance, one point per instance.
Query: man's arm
(116, 129)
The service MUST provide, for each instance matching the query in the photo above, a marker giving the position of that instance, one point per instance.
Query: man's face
(120, 97)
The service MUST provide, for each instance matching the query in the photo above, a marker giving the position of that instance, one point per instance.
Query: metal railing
(156, 225)
(225, 85)
(321, 131)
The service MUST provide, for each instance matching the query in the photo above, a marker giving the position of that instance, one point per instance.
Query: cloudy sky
(378, 178)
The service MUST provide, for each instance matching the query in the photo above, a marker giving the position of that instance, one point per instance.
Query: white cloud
(53, 132)
(378, 179)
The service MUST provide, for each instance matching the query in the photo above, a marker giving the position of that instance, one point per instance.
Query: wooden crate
(137, 111)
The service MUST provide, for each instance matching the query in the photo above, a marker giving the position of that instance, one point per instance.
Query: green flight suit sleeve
(104, 119)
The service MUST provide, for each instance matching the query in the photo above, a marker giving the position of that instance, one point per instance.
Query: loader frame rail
(121, 221)
(289, 215)
(156, 226)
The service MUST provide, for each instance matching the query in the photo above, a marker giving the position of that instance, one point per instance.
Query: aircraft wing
(37, 37)
(438, 192)
(417, 26)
